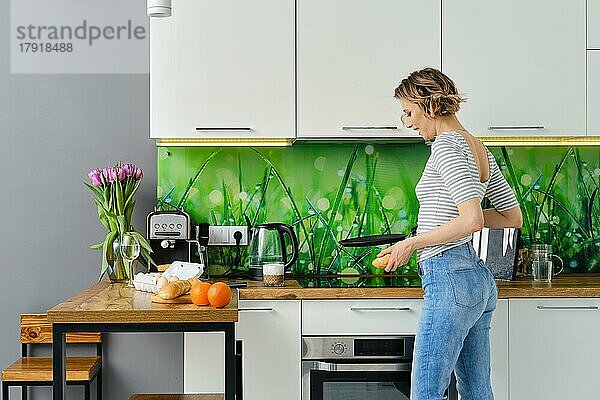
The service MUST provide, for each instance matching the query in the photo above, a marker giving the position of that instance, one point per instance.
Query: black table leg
(229, 362)
(59, 374)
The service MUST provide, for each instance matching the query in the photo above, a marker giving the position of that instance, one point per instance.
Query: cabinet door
(593, 93)
(499, 350)
(593, 24)
(223, 69)
(351, 56)
(270, 335)
(553, 348)
(520, 63)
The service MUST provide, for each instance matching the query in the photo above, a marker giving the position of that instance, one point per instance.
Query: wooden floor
(218, 396)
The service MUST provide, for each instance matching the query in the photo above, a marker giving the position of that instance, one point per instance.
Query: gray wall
(54, 128)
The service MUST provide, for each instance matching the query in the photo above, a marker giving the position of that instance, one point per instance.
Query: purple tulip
(109, 174)
(121, 173)
(95, 177)
(138, 173)
(129, 169)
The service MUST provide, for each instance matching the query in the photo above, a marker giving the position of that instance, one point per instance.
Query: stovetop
(348, 281)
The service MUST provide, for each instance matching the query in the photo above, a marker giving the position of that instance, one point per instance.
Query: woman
(460, 291)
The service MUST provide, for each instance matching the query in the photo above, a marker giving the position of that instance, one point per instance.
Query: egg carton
(147, 282)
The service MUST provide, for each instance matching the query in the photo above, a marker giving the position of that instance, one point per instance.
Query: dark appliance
(268, 245)
(359, 367)
(169, 235)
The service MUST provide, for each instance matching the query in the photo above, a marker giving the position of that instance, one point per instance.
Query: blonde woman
(460, 291)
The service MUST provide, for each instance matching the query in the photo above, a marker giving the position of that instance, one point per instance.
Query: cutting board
(185, 299)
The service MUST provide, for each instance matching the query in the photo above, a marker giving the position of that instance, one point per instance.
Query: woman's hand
(400, 253)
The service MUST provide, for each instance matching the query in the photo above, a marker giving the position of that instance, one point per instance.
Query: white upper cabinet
(351, 56)
(223, 69)
(520, 63)
(593, 24)
(593, 93)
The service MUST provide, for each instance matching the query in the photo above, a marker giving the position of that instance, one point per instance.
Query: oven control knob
(339, 348)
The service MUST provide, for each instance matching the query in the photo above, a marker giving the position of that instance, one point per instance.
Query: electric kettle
(267, 245)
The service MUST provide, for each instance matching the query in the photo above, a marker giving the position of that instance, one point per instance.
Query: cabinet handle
(516, 127)
(200, 129)
(265, 309)
(369, 128)
(567, 307)
(380, 308)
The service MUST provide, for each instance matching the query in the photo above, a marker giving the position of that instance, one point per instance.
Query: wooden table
(106, 307)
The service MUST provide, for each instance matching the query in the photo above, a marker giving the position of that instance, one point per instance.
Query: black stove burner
(364, 281)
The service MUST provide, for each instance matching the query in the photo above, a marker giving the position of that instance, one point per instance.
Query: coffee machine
(169, 236)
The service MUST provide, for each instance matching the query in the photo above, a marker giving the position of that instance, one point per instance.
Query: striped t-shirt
(451, 177)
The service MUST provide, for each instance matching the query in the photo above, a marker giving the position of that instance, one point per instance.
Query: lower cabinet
(499, 350)
(554, 348)
(268, 335)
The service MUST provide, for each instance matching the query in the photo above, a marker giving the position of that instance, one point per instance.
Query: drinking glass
(130, 250)
(273, 274)
(543, 264)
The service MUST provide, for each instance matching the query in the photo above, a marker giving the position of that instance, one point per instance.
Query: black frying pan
(375, 240)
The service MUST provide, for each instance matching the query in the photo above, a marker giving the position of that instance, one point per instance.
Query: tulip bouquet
(113, 189)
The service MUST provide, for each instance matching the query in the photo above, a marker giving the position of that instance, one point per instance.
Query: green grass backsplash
(335, 191)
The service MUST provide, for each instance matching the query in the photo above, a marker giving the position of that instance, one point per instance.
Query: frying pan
(375, 240)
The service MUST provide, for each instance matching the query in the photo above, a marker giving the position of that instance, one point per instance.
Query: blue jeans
(453, 333)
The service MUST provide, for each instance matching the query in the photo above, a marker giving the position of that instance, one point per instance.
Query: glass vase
(116, 271)
(117, 265)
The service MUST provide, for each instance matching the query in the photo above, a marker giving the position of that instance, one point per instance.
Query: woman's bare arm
(511, 218)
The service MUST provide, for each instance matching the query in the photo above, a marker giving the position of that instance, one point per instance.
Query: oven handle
(326, 366)
(380, 308)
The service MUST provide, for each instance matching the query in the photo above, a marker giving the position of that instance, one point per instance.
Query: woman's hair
(432, 91)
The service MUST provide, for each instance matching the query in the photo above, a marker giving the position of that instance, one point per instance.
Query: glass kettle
(267, 245)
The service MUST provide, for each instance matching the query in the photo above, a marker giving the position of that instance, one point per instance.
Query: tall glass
(543, 263)
(130, 250)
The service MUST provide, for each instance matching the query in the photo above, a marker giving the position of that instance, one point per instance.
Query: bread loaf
(171, 290)
(381, 262)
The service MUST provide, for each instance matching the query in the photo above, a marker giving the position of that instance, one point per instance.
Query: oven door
(332, 381)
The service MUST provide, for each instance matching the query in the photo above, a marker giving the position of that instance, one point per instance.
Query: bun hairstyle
(432, 91)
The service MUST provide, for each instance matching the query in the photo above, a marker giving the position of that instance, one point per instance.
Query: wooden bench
(217, 396)
(37, 371)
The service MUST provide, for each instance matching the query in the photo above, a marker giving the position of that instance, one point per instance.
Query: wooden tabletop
(568, 285)
(105, 303)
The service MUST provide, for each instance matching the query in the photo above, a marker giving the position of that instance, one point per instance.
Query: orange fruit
(198, 293)
(219, 294)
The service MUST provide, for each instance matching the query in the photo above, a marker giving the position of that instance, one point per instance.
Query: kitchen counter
(573, 285)
(106, 302)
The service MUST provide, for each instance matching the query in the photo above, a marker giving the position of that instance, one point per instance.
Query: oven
(359, 367)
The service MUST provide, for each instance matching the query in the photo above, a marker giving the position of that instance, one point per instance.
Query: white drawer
(593, 24)
(360, 317)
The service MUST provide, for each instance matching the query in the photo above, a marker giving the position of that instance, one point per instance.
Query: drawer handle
(567, 307)
(369, 128)
(265, 309)
(516, 127)
(380, 308)
(224, 129)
